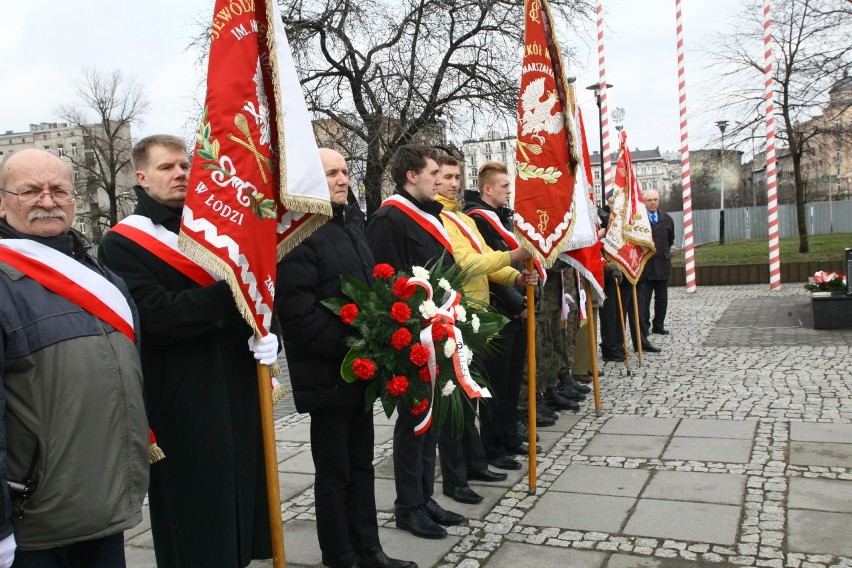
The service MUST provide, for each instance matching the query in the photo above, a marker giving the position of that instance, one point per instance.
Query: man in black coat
(407, 231)
(315, 345)
(208, 498)
(655, 277)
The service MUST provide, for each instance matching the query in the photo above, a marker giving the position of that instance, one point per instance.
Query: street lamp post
(722, 124)
(596, 87)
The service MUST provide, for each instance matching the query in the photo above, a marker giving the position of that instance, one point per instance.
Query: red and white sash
(429, 223)
(465, 230)
(163, 243)
(70, 279)
(507, 236)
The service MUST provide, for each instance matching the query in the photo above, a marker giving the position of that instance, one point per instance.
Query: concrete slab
(709, 428)
(567, 420)
(640, 426)
(601, 480)
(490, 497)
(384, 468)
(821, 453)
(513, 476)
(627, 561)
(625, 446)
(382, 434)
(820, 432)
(820, 494)
(701, 522)
(302, 462)
(137, 557)
(708, 449)
(580, 511)
(547, 440)
(520, 555)
(725, 488)
(400, 544)
(291, 484)
(385, 494)
(819, 532)
(300, 543)
(298, 433)
(145, 525)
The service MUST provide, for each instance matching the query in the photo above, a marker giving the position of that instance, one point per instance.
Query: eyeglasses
(32, 196)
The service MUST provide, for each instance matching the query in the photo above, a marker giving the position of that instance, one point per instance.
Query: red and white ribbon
(446, 314)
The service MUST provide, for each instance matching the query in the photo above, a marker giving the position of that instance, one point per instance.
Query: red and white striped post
(771, 173)
(604, 110)
(688, 251)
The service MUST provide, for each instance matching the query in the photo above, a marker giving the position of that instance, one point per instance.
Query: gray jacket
(74, 433)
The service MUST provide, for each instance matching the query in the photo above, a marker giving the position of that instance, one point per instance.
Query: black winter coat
(314, 337)
(659, 266)
(398, 240)
(507, 300)
(208, 497)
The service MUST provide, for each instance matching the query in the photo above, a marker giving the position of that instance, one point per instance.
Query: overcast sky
(44, 46)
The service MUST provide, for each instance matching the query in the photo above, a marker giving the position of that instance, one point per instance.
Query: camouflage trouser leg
(547, 355)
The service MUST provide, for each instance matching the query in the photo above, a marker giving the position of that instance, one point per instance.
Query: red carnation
(348, 313)
(401, 338)
(400, 312)
(420, 408)
(402, 289)
(363, 368)
(419, 354)
(439, 331)
(397, 385)
(383, 270)
(425, 376)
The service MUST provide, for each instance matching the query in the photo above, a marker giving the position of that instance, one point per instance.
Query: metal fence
(751, 223)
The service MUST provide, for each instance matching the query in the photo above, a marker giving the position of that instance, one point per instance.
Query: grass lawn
(756, 251)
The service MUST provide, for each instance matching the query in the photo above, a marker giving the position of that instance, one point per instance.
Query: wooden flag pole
(623, 327)
(593, 347)
(637, 327)
(531, 377)
(273, 494)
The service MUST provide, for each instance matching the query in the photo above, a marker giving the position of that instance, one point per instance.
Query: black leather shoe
(660, 331)
(544, 409)
(613, 357)
(376, 558)
(650, 349)
(463, 495)
(486, 475)
(523, 431)
(572, 394)
(419, 523)
(442, 516)
(543, 420)
(557, 401)
(505, 462)
(523, 449)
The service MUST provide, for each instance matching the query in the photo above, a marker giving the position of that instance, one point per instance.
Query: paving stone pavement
(731, 447)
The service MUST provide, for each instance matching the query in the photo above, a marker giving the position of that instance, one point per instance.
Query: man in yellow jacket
(464, 459)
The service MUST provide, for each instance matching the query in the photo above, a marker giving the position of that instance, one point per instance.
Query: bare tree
(812, 52)
(389, 73)
(108, 105)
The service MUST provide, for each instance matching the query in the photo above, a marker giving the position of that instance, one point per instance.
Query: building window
(76, 175)
(503, 145)
(488, 146)
(61, 150)
(488, 156)
(73, 148)
(47, 148)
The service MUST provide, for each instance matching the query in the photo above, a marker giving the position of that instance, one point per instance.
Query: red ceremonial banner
(255, 190)
(547, 155)
(628, 240)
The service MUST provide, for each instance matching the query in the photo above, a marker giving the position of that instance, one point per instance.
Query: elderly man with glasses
(74, 436)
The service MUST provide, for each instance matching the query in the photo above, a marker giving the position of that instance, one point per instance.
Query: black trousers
(612, 338)
(499, 415)
(413, 462)
(660, 290)
(106, 552)
(342, 449)
(460, 455)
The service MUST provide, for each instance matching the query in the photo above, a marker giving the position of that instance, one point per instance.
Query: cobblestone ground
(712, 452)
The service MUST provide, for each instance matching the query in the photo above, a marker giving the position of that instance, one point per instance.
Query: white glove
(7, 551)
(265, 350)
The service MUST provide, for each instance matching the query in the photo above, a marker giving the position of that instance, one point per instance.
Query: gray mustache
(44, 214)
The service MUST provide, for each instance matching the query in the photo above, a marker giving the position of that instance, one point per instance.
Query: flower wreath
(413, 347)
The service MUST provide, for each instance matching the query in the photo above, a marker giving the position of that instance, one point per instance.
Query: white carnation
(420, 272)
(474, 322)
(428, 309)
(449, 348)
(444, 283)
(468, 354)
(448, 389)
(461, 313)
